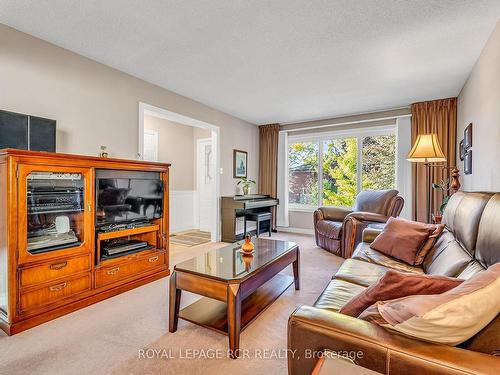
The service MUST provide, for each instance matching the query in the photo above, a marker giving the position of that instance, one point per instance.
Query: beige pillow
(448, 318)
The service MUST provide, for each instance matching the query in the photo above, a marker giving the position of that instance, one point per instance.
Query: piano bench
(259, 217)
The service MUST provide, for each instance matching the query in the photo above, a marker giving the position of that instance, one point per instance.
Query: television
(128, 197)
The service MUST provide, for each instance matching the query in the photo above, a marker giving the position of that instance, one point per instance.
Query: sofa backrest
(454, 253)
(377, 201)
(488, 238)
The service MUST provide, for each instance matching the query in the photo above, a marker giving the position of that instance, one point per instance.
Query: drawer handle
(113, 271)
(56, 288)
(58, 266)
(153, 259)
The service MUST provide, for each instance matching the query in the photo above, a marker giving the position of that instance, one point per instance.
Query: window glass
(379, 162)
(340, 171)
(303, 173)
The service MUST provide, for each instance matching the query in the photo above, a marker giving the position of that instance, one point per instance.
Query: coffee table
(236, 288)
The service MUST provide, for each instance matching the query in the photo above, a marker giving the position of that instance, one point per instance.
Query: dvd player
(123, 246)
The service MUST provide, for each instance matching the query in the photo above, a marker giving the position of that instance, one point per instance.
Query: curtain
(268, 162)
(440, 117)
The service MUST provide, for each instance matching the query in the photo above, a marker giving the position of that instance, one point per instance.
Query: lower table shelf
(212, 314)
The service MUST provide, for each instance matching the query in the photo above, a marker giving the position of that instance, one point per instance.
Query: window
(303, 173)
(331, 169)
(150, 145)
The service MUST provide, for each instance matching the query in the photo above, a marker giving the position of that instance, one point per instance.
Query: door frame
(148, 109)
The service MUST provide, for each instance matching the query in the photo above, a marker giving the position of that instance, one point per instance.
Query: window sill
(302, 209)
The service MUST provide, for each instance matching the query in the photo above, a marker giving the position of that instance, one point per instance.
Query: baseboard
(296, 230)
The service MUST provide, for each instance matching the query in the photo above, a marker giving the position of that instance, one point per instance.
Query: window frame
(319, 138)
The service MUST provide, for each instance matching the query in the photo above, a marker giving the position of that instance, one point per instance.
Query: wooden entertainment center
(52, 234)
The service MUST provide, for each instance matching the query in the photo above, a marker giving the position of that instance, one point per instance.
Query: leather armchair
(339, 229)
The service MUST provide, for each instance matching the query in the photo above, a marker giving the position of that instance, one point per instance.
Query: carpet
(190, 238)
(122, 334)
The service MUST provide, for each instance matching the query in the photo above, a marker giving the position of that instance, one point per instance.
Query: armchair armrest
(369, 234)
(334, 213)
(311, 330)
(367, 216)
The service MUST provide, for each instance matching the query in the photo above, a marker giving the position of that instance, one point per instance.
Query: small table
(236, 288)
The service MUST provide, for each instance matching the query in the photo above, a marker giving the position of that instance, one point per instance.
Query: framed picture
(239, 163)
(468, 162)
(468, 137)
(461, 150)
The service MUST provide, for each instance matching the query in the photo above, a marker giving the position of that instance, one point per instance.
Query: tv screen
(121, 200)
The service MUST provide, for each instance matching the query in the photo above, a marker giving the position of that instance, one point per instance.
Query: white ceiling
(275, 61)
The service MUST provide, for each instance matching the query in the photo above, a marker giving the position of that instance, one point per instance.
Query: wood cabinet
(37, 285)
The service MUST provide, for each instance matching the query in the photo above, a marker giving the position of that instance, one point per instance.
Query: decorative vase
(248, 246)
(246, 190)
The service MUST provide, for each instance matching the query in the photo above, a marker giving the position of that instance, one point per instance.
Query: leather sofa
(339, 229)
(469, 244)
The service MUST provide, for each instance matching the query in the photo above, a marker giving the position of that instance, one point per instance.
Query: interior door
(205, 183)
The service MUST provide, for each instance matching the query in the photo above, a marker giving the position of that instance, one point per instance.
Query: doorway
(195, 208)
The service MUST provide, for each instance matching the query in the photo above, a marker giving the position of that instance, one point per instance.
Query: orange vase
(247, 247)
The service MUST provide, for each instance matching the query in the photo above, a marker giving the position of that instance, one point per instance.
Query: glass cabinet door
(55, 211)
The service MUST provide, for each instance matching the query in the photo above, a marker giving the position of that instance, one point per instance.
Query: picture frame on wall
(461, 150)
(468, 137)
(240, 164)
(468, 162)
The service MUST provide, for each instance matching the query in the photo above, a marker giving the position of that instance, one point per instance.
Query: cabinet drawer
(118, 272)
(52, 293)
(54, 270)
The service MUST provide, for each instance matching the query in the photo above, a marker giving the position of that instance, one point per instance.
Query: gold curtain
(268, 162)
(440, 117)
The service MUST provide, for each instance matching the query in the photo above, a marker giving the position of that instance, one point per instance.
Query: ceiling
(275, 61)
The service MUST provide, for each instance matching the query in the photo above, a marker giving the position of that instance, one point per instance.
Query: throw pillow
(428, 244)
(449, 318)
(403, 239)
(396, 284)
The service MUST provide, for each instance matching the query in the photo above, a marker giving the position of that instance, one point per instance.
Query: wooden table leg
(175, 302)
(234, 319)
(296, 270)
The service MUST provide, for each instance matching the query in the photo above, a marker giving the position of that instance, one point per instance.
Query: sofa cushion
(395, 284)
(403, 239)
(448, 318)
(488, 238)
(365, 253)
(330, 229)
(447, 259)
(360, 272)
(462, 215)
(471, 269)
(337, 294)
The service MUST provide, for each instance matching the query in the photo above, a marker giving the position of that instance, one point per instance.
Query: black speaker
(13, 130)
(42, 134)
(26, 132)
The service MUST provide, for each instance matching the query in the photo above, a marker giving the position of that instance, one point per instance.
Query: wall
(175, 146)
(479, 103)
(97, 105)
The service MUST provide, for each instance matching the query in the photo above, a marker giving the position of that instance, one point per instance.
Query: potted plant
(444, 185)
(246, 184)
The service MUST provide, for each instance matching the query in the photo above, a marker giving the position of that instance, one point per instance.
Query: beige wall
(479, 104)
(175, 146)
(96, 105)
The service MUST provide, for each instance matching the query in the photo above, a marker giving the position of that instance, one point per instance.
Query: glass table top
(228, 263)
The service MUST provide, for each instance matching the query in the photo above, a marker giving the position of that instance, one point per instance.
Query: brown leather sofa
(339, 229)
(469, 244)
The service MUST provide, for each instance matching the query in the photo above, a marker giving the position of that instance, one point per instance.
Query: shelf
(127, 232)
(55, 212)
(212, 314)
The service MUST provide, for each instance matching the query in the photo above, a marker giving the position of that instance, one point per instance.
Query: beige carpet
(110, 337)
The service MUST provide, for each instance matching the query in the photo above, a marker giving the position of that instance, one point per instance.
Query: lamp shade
(426, 149)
